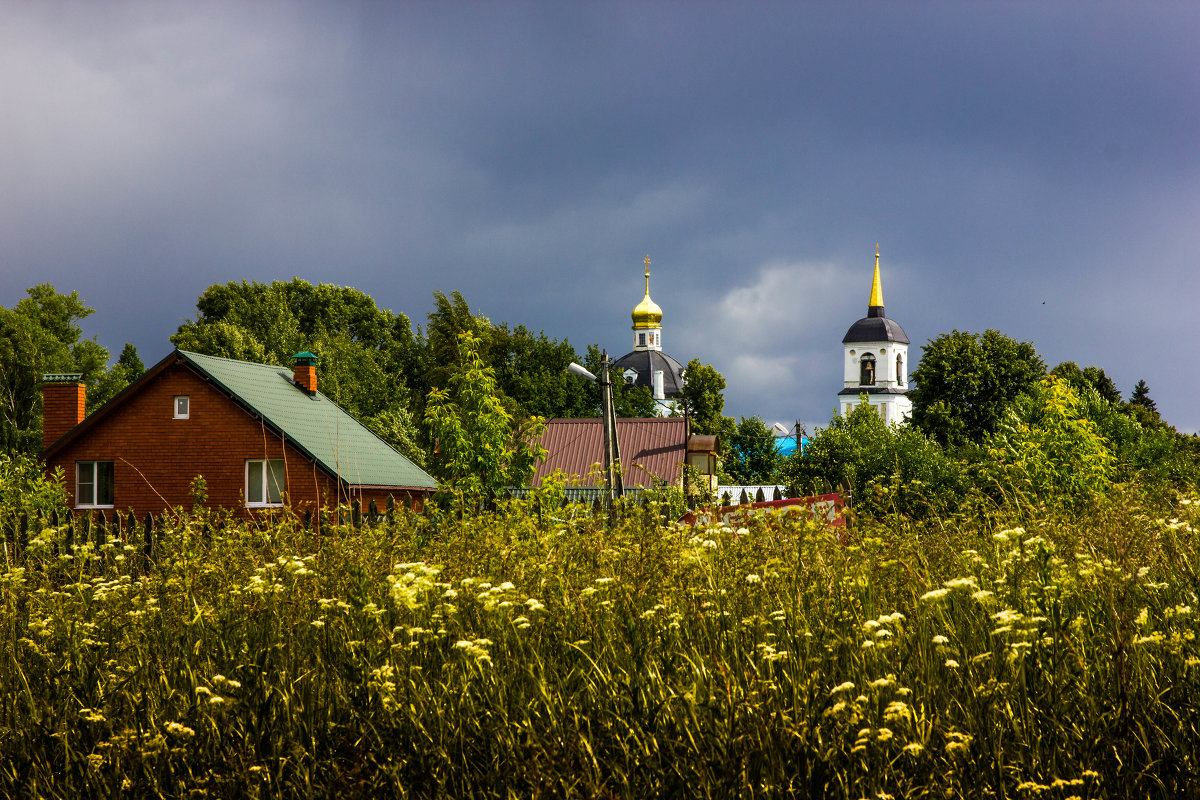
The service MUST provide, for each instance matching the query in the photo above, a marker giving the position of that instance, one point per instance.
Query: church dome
(875, 329)
(640, 365)
(647, 314)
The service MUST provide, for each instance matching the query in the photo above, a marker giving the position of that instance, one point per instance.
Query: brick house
(260, 435)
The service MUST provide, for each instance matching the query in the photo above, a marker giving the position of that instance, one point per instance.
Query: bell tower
(875, 360)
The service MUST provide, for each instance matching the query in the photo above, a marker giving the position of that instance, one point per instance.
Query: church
(875, 357)
(647, 365)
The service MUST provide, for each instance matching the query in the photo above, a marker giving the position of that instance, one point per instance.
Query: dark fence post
(148, 542)
(22, 534)
(356, 513)
(759, 496)
(308, 519)
(372, 513)
(70, 537)
(743, 498)
(101, 530)
(85, 528)
(391, 510)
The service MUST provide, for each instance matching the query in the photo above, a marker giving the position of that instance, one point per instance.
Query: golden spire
(647, 314)
(876, 286)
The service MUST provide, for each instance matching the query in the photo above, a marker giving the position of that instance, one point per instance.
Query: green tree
(480, 448)
(450, 318)
(751, 457)
(367, 354)
(885, 467)
(129, 368)
(1047, 450)
(702, 399)
(966, 381)
(41, 334)
(629, 400)
(1090, 377)
(1140, 396)
(531, 369)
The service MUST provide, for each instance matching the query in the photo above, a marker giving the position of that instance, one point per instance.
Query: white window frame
(187, 406)
(263, 491)
(90, 502)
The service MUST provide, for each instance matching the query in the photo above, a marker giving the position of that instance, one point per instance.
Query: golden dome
(647, 314)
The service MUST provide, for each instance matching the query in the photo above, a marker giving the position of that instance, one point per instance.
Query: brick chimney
(63, 405)
(305, 375)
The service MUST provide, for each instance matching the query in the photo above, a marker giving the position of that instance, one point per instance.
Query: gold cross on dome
(647, 262)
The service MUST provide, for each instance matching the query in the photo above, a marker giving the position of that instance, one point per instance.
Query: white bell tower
(875, 361)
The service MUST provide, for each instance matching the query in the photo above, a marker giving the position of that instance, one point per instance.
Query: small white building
(875, 361)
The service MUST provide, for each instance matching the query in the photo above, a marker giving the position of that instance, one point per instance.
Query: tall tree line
(373, 361)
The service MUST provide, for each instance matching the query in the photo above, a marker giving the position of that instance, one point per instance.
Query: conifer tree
(1141, 397)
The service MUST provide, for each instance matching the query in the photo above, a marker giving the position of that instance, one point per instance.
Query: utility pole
(612, 454)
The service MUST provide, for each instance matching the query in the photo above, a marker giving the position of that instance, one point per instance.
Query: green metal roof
(315, 424)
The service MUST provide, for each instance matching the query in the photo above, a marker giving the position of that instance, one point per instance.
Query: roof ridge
(231, 360)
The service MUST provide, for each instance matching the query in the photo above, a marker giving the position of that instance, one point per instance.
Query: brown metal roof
(650, 448)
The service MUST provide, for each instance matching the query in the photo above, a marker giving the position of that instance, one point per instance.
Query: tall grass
(514, 654)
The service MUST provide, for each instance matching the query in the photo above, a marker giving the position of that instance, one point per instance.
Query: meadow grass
(988, 654)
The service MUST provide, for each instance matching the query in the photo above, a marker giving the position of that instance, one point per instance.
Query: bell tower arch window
(866, 370)
(900, 368)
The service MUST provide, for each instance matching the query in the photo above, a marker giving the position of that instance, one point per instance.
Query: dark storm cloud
(529, 155)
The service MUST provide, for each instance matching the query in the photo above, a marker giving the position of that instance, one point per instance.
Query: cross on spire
(647, 262)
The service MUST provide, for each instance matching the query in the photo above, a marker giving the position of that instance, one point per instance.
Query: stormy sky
(1027, 166)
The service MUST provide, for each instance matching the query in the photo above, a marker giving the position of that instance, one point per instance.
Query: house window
(93, 484)
(866, 375)
(704, 463)
(265, 482)
(182, 406)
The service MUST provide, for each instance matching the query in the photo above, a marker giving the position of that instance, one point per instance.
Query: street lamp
(612, 476)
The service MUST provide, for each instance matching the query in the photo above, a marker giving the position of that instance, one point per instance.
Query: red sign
(827, 507)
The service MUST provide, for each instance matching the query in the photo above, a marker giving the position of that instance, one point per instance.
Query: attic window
(182, 406)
